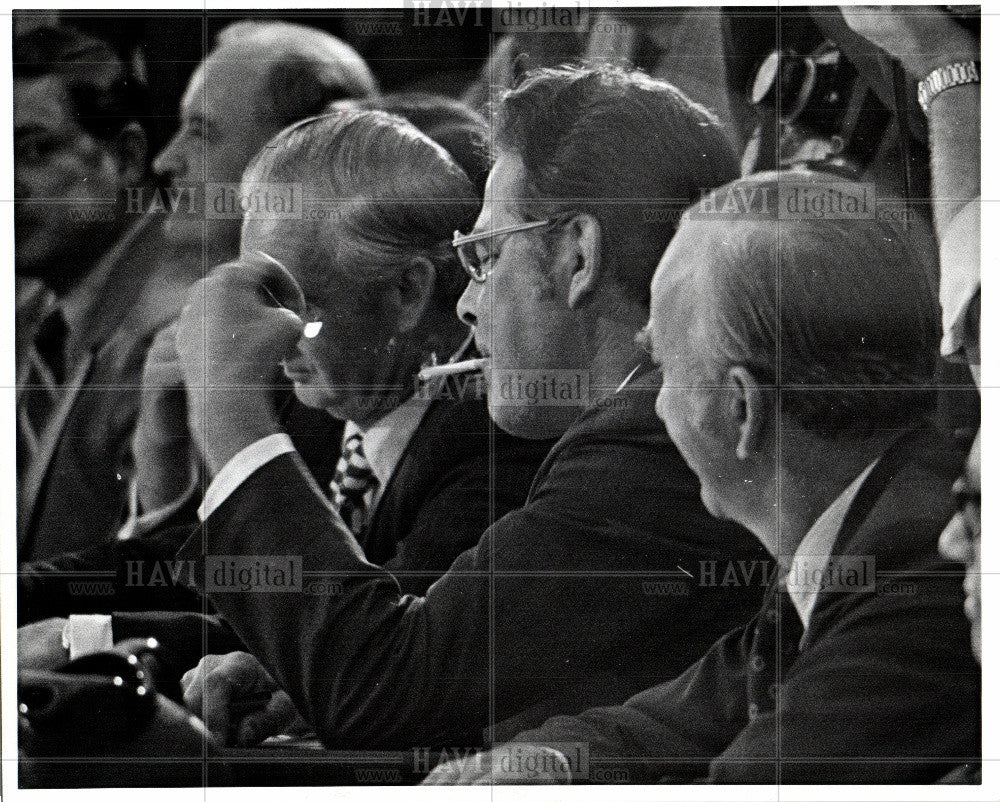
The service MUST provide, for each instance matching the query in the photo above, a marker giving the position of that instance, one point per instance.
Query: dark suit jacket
(883, 688)
(585, 592)
(75, 491)
(443, 494)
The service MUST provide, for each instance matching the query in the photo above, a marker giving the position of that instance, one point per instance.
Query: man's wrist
(948, 77)
(235, 419)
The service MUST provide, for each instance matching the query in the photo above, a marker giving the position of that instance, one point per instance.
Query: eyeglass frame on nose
(461, 240)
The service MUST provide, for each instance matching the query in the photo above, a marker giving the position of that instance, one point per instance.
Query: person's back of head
(632, 151)
(839, 312)
(307, 68)
(449, 122)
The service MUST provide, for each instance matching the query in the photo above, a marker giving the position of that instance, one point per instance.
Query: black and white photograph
(498, 393)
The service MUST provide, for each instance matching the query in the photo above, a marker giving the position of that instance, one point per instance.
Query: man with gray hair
(797, 358)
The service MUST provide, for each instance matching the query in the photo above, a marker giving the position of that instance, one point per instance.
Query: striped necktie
(352, 482)
(42, 385)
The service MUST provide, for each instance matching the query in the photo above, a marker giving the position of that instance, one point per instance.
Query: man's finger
(237, 674)
(273, 718)
(265, 275)
(193, 682)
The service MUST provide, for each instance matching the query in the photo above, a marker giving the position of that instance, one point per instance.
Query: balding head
(787, 340)
(303, 69)
(259, 77)
(833, 311)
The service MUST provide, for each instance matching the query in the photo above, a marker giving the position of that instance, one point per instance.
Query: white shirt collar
(816, 548)
(386, 440)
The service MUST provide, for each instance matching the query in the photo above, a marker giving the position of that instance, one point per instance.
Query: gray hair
(392, 193)
(840, 315)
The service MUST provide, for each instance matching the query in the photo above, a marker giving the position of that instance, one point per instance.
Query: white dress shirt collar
(385, 441)
(816, 548)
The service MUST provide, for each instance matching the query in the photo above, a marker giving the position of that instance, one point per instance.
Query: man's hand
(231, 339)
(510, 764)
(39, 645)
(214, 688)
(161, 444)
(921, 38)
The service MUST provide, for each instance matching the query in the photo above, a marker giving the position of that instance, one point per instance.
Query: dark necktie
(774, 647)
(42, 385)
(352, 481)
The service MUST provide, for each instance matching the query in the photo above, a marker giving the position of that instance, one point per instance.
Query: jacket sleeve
(888, 692)
(670, 732)
(452, 517)
(139, 573)
(371, 667)
(361, 661)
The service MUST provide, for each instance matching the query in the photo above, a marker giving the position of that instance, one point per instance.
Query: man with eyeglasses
(808, 420)
(596, 585)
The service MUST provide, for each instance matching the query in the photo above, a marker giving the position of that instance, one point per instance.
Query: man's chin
(310, 396)
(533, 422)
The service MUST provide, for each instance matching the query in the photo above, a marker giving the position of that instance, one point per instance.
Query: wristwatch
(957, 74)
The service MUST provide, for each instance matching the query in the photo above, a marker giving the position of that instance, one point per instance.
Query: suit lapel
(37, 473)
(889, 464)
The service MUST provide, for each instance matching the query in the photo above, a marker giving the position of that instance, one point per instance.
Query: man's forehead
(503, 191)
(41, 102)
(221, 80)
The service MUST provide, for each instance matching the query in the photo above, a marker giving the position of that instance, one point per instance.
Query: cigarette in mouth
(466, 366)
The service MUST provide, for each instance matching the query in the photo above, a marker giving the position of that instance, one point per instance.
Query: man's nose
(954, 543)
(468, 304)
(168, 162)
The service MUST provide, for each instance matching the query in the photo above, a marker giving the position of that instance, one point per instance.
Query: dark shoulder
(903, 525)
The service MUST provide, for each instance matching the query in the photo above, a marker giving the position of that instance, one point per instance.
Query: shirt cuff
(960, 279)
(240, 468)
(87, 634)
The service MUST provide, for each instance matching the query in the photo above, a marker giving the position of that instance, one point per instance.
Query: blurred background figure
(259, 78)
(75, 458)
(79, 153)
(940, 49)
(961, 539)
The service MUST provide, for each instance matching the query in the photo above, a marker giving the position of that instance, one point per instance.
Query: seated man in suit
(797, 360)
(77, 113)
(585, 591)
(422, 471)
(138, 564)
(79, 148)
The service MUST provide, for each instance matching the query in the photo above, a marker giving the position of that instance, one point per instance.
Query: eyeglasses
(478, 266)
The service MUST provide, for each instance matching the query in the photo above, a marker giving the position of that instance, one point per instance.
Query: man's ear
(131, 149)
(584, 249)
(748, 408)
(412, 293)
